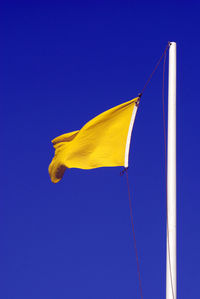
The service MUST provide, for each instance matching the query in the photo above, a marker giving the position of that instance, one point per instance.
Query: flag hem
(128, 141)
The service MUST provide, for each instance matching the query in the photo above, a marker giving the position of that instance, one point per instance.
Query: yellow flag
(103, 141)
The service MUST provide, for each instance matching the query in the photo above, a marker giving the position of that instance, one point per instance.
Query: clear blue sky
(62, 63)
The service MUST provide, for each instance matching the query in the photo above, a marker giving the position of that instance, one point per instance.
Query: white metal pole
(171, 280)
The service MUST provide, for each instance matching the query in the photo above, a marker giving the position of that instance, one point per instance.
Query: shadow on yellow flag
(103, 141)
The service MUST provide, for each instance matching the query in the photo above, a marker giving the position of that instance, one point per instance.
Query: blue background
(62, 63)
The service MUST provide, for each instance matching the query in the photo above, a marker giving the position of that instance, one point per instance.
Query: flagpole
(171, 280)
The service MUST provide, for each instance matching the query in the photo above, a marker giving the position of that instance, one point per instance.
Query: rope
(135, 245)
(150, 77)
(165, 146)
(125, 171)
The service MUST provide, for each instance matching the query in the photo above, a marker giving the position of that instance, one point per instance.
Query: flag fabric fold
(104, 141)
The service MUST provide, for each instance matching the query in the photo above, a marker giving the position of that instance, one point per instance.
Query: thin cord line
(165, 146)
(135, 245)
(125, 170)
(150, 77)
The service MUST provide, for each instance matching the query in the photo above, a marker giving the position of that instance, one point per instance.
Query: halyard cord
(165, 144)
(125, 170)
(133, 230)
(150, 77)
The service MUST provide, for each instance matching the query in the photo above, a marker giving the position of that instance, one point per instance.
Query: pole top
(172, 43)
